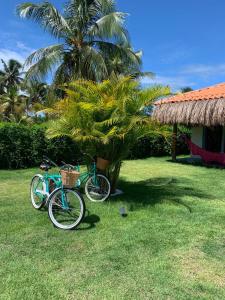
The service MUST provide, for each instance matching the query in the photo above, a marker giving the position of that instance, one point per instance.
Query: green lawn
(170, 246)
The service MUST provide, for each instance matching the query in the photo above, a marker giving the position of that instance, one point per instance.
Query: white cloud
(7, 54)
(204, 71)
(23, 47)
(190, 75)
(19, 53)
(175, 82)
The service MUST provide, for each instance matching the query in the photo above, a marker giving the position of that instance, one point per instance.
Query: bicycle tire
(37, 179)
(55, 206)
(97, 193)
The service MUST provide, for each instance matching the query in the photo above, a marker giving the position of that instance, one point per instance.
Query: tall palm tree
(10, 76)
(90, 33)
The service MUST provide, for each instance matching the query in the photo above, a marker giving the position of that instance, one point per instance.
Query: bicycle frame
(58, 184)
(44, 195)
(55, 178)
(85, 175)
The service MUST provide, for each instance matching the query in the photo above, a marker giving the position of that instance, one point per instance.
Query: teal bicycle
(96, 186)
(66, 207)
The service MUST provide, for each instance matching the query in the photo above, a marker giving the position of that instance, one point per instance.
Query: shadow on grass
(197, 163)
(89, 221)
(156, 190)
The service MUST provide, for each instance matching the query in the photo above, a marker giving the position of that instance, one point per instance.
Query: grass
(170, 246)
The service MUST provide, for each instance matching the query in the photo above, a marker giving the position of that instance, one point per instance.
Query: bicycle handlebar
(86, 154)
(50, 161)
(66, 165)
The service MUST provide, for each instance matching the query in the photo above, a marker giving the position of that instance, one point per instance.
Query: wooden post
(174, 143)
(223, 140)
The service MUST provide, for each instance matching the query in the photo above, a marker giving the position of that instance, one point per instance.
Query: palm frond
(111, 27)
(148, 96)
(93, 64)
(43, 61)
(6, 68)
(47, 16)
(106, 6)
(126, 55)
(43, 53)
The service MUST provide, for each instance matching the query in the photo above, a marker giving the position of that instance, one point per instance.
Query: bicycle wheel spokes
(66, 208)
(97, 188)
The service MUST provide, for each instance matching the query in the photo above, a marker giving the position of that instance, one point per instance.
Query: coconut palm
(37, 92)
(107, 118)
(39, 95)
(10, 76)
(13, 105)
(91, 33)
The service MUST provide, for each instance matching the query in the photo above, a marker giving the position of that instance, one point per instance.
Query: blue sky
(183, 42)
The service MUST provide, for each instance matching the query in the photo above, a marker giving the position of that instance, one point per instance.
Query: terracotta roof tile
(209, 93)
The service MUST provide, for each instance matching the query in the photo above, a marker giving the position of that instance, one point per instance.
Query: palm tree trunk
(114, 176)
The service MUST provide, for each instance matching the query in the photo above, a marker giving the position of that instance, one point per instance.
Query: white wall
(197, 137)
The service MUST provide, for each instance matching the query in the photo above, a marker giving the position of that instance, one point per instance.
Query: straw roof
(202, 107)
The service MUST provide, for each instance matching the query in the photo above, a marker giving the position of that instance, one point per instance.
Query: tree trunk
(174, 143)
(114, 176)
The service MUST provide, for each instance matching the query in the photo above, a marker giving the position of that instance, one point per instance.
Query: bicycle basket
(69, 178)
(102, 164)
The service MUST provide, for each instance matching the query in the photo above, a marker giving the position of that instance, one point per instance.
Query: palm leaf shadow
(159, 189)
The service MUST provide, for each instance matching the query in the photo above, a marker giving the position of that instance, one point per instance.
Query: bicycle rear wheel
(97, 188)
(38, 192)
(66, 208)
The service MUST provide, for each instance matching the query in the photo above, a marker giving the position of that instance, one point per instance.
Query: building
(204, 111)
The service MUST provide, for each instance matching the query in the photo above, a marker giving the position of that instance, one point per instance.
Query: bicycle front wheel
(66, 208)
(97, 188)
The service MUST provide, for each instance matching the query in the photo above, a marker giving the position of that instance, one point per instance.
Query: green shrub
(63, 149)
(24, 146)
(155, 145)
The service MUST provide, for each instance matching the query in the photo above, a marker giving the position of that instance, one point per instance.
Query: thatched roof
(202, 107)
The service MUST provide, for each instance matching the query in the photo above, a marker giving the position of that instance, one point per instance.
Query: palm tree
(91, 35)
(10, 76)
(186, 89)
(107, 118)
(13, 105)
(37, 92)
(40, 95)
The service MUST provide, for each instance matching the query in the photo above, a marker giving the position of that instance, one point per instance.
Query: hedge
(156, 146)
(24, 146)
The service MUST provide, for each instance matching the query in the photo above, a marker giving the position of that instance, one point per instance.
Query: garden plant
(105, 118)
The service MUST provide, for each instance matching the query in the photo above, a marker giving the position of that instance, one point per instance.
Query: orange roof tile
(210, 93)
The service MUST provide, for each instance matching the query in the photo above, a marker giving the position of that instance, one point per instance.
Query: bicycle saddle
(45, 167)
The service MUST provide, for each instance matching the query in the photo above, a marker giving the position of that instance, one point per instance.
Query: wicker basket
(102, 164)
(69, 178)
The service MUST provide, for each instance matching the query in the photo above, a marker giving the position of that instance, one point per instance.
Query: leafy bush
(63, 149)
(155, 145)
(22, 146)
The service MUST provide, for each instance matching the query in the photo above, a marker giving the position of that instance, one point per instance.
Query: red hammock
(206, 156)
